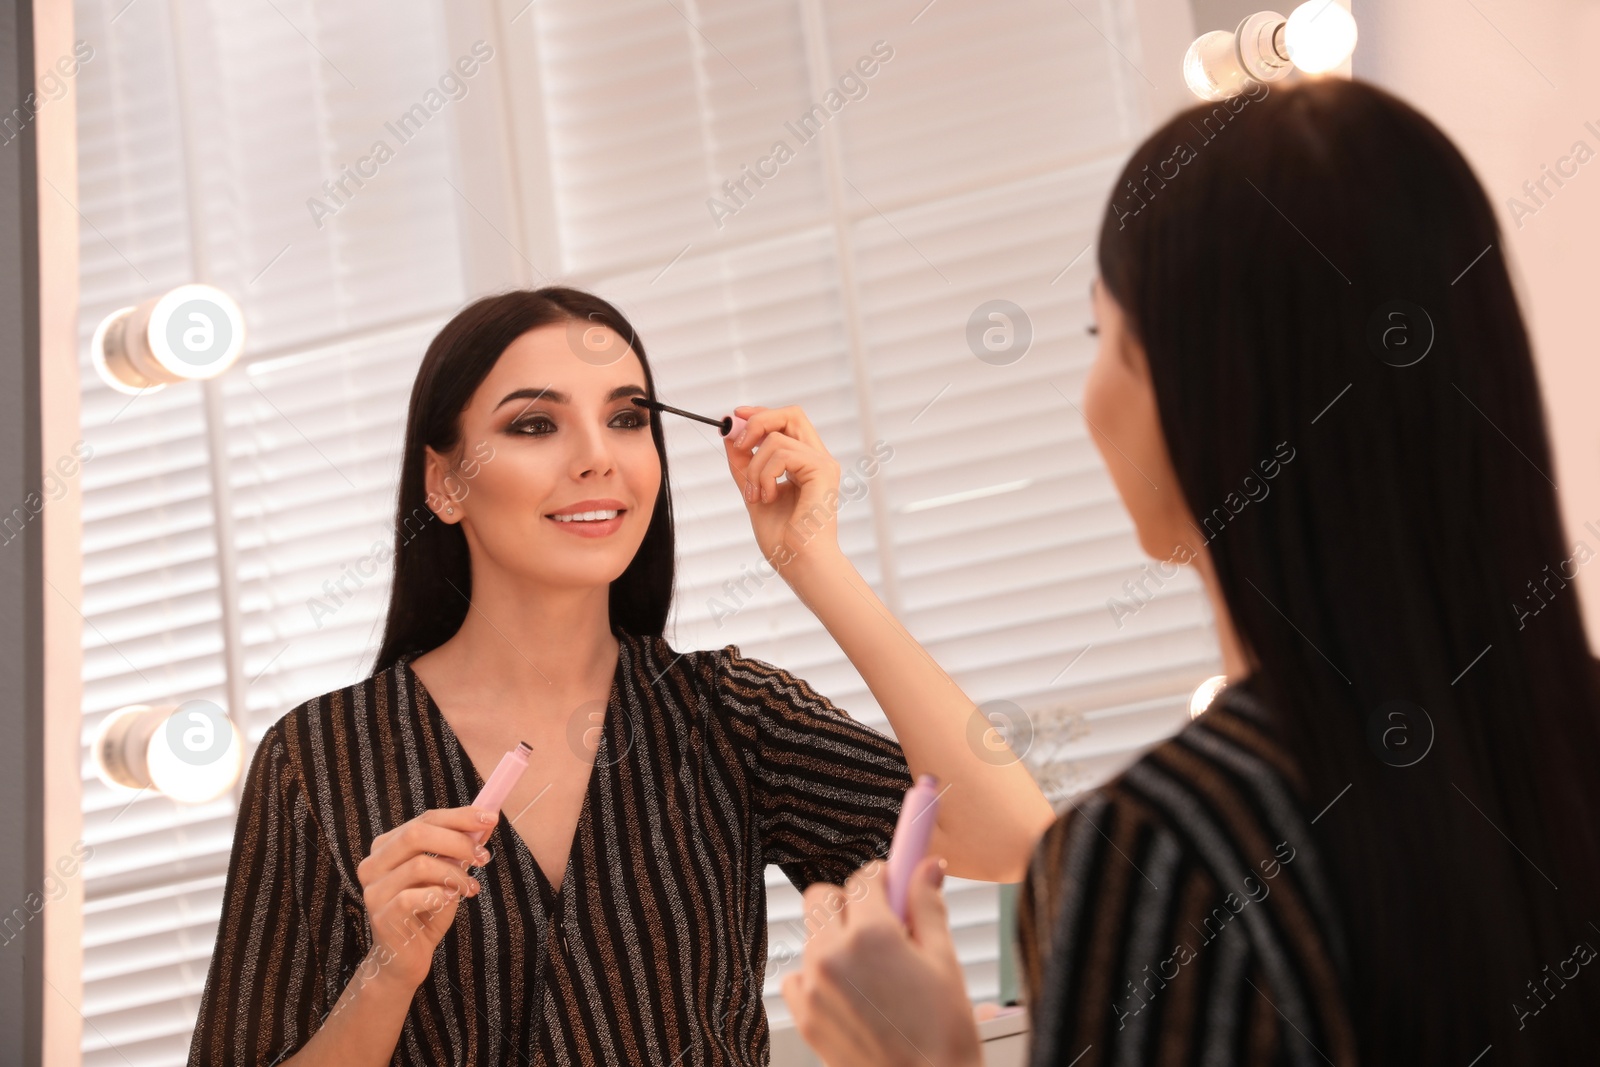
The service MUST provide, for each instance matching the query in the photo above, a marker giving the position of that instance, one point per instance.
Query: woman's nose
(593, 456)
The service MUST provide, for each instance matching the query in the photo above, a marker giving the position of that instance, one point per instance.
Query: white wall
(1513, 83)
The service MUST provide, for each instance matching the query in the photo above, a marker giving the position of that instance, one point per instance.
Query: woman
(618, 909)
(1381, 845)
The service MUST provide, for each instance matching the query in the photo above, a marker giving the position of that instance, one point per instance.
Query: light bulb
(193, 752)
(1211, 66)
(1320, 35)
(1317, 37)
(191, 333)
(1205, 693)
(1259, 39)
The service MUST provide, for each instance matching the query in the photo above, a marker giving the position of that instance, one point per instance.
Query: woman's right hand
(412, 881)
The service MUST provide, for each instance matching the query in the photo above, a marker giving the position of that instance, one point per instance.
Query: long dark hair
(432, 584)
(1286, 273)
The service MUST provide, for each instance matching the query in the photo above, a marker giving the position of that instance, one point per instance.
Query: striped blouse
(653, 951)
(1181, 914)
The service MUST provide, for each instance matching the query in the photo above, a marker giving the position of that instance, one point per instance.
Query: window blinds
(968, 166)
(771, 252)
(204, 129)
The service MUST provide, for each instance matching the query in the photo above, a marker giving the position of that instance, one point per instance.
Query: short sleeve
(263, 992)
(828, 789)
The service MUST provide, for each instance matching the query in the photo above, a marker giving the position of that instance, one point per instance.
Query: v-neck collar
(549, 894)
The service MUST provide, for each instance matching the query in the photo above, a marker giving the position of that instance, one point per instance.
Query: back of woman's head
(1316, 267)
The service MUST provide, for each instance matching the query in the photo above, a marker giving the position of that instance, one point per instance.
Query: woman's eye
(543, 425)
(533, 426)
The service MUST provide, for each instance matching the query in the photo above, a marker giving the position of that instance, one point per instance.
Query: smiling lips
(587, 516)
(590, 518)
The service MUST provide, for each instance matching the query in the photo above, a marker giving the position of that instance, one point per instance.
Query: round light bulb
(192, 333)
(193, 753)
(1205, 693)
(1319, 36)
(204, 764)
(1211, 66)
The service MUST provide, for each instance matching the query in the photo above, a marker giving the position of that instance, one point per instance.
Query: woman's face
(1119, 402)
(558, 475)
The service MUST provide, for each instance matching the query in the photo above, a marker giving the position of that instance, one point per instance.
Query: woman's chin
(572, 561)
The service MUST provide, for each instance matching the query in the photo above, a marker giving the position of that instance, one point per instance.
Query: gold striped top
(710, 766)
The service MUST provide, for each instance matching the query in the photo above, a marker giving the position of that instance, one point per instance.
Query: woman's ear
(437, 479)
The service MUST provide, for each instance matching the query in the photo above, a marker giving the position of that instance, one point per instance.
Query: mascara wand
(725, 425)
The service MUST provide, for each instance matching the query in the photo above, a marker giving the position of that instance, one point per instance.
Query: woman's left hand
(796, 517)
(875, 992)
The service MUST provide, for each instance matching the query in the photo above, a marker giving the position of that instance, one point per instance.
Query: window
(225, 525)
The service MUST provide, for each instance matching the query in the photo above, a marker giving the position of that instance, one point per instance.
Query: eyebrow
(556, 396)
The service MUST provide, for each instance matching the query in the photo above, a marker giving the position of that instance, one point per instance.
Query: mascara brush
(728, 425)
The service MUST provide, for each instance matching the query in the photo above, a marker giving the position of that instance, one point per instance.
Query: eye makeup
(519, 425)
(728, 425)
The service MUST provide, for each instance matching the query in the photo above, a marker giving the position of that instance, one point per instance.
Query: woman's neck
(549, 644)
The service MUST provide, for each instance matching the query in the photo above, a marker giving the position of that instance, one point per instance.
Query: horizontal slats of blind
(314, 454)
(1006, 588)
(649, 113)
(270, 116)
(150, 596)
(284, 97)
(977, 93)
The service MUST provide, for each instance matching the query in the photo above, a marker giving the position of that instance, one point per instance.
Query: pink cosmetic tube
(917, 817)
(500, 783)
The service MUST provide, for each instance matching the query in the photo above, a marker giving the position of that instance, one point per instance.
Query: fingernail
(936, 873)
(476, 886)
(485, 818)
(481, 854)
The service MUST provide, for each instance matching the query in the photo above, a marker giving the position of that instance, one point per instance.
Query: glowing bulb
(1317, 37)
(192, 333)
(1205, 693)
(1320, 35)
(193, 753)
(1211, 66)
